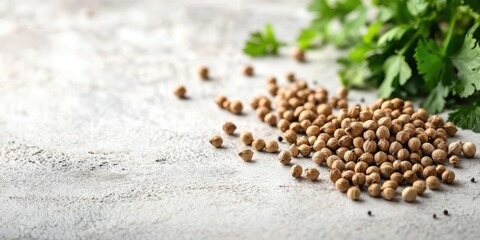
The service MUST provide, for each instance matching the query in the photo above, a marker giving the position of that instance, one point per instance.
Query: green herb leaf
(435, 102)
(430, 63)
(393, 34)
(306, 38)
(417, 7)
(397, 71)
(467, 117)
(353, 74)
(260, 44)
(468, 66)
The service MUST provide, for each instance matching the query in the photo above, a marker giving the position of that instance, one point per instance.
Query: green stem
(451, 29)
(410, 42)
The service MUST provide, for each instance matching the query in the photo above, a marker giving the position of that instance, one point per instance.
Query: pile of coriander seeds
(375, 148)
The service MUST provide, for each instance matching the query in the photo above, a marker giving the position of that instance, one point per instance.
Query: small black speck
(314, 82)
(369, 213)
(123, 169)
(280, 138)
(472, 180)
(362, 99)
(435, 216)
(445, 212)
(158, 160)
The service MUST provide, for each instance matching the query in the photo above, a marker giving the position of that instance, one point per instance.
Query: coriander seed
(258, 144)
(420, 186)
(290, 76)
(312, 174)
(342, 185)
(455, 161)
(271, 146)
(469, 149)
(229, 128)
(296, 171)
(290, 136)
(305, 150)
(284, 157)
(433, 183)
(319, 157)
(409, 194)
(353, 193)
(246, 155)
(374, 190)
(220, 99)
(439, 156)
(448, 177)
(216, 141)
(235, 107)
(248, 70)
(299, 55)
(293, 149)
(180, 91)
(203, 72)
(388, 193)
(246, 137)
(334, 175)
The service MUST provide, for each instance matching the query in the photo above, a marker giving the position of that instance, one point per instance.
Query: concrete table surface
(94, 145)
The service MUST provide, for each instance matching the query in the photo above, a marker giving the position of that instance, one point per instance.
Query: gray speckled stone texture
(94, 146)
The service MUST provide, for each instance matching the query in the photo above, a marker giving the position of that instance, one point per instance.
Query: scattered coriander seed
(439, 156)
(229, 128)
(455, 161)
(290, 76)
(248, 70)
(258, 144)
(293, 149)
(445, 212)
(216, 141)
(299, 55)
(419, 186)
(374, 190)
(220, 99)
(246, 155)
(334, 175)
(235, 107)
(180, 91)
(388, 193)
(290, 136)
(455, 148)
(271, 146)
(342, 185)
(469, 149)
(246, 137)
(296, 171)
(353, 193)
(448, 177)
(284, 157)
(409, 194)
(203, 72)
(312, 174)
(433, 183)
(305, 150)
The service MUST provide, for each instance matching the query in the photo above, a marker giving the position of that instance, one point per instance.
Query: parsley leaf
(396, 68)
(306, 38)
(417, 7)
(467, 117)
(468, 65)
(260, 44)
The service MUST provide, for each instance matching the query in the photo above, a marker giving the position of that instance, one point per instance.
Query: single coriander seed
(229, 128)
(448, 177)
(203, 72)
(433, 183)
(258, 144)
(296, 171)
(248, 70)
(246, 137)
(216, 141)
(312, 174)
(180, 91)
(299, 55)
(409, 194)
(469, 149)
(246, 155)
(388, 193)
(284, 157)
(271, 146)
(235, 107)
(342, 185)
(353, 193)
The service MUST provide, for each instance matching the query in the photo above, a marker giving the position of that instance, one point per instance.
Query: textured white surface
(94, 145)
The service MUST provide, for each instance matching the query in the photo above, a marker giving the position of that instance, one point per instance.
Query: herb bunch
(405, 48)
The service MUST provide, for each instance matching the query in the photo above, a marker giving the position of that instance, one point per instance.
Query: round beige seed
(312, 174)
(469, 149)
(284, 157)
(271, 146)
(203, 72)
(353, 193)
(235, 107)
(409, 194)
(448, 177)
(258, 144)
(296, 171)
(246, 137)
(216, 141)
(374, 190)
(388, 193)
(229, 128)
(248, 70)
(246, 155)
(420, 186)
(180, 91)
(293, 149)
(433, 183)
(342, 185)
